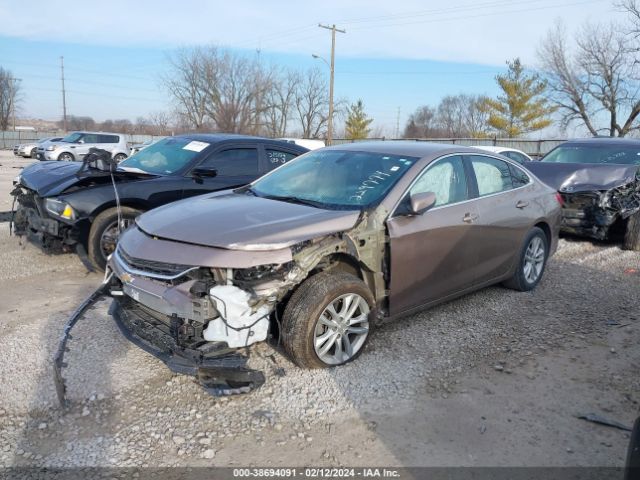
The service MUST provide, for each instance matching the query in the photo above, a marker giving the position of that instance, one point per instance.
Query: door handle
(522, 204)
(470, 217)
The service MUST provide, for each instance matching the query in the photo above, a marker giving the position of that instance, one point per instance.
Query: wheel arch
(544, 226)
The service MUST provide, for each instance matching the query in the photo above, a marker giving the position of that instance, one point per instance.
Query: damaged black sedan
(67, 206)
(599, 181)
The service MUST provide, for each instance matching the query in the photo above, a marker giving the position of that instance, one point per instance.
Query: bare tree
(184, 84)
(75, 122)
(9, 96)
(422, 123)
(220, 90)
(160, 122)
(599, 81)
(280, 101)
(312, 103)
(477, 117)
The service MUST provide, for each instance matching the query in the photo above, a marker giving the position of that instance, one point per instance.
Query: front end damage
(200, 319)
(594, 213)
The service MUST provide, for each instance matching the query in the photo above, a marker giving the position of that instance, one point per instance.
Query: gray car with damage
(599, 180)
(323, 248)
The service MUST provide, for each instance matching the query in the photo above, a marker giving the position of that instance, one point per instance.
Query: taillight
(559, 199)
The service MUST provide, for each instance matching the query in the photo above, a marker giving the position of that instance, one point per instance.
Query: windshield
(335, 179)
(72, 137)
(165, 156)
(613, 154)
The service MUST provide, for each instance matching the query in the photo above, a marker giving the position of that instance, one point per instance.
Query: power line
(465, 17)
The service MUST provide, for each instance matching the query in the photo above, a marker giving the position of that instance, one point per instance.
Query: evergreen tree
(357, 123)
(521, 108)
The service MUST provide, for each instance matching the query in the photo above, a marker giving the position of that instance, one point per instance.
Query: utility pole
(64, 98)
(333, 54)
(398, 124)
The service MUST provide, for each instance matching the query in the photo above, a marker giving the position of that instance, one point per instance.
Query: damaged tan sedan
(322, 249)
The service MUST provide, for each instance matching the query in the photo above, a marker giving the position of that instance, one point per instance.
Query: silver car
(30, 149)
(77, 144)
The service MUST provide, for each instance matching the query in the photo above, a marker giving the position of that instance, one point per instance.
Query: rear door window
(275, 158)
(90, 138)
(492, 175)
(518, 177)
(233, 162)
(518, 157)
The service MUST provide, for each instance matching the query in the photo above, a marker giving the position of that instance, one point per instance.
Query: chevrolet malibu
(320, 250)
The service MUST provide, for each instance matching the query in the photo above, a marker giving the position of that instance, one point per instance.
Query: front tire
(632, 235)
(327, 320)
(531, 262)
(103, 235)
(120, 157)
(66, 157)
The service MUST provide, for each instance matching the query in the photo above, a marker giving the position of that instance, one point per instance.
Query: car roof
(404, 147)
(221, 137)
(603, 141)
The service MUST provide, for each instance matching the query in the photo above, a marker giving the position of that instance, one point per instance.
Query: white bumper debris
(238, 324)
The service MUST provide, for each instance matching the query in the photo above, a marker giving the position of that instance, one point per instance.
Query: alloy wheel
(341, 329)
(109, 238)
(534, 257)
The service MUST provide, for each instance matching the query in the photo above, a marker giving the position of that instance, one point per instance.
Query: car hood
(580, 177)
(53, 178)
(239, 221)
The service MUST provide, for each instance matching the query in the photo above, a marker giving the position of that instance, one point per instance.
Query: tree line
(590, 80)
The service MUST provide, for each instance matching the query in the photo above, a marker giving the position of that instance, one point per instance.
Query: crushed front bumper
(595, 213)
(219, 370)
(31, 220)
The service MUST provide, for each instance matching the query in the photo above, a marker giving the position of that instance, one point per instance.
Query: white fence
(534, 148)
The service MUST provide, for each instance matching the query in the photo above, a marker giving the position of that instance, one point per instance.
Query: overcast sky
(395, 54)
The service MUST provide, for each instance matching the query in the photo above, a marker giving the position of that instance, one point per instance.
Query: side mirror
(202, 172)
(421, 202)
(80, 141)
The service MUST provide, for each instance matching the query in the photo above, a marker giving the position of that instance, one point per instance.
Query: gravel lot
(495, 378)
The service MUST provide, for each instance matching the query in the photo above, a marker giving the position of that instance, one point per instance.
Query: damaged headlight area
(59, 209)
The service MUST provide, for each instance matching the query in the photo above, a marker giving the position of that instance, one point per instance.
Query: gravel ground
(494, 378)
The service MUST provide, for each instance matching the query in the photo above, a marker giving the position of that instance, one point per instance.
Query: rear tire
(103, 234)
(632, 235)
(120, 157)
(308, 327)
(66, 157)
(34, 152)
(531, 262)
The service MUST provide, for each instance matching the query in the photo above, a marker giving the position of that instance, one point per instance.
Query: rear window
(607, 154)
